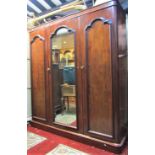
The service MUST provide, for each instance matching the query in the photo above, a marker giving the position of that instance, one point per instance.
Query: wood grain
(99, 79)
(38, 76)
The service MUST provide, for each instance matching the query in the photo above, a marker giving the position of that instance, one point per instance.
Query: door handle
(48, 69)
(82, 67)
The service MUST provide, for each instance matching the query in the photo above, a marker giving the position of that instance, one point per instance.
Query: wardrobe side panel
(123, 71)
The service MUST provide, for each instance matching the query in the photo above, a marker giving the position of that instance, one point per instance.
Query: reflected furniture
(63, 40)
(67, 92)
(98, 39)
(59, 106)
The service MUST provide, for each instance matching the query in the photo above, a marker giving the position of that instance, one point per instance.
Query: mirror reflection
(64, 79)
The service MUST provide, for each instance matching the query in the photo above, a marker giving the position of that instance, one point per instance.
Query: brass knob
(48, 69)
(82, 67)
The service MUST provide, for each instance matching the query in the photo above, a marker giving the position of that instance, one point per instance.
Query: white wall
(29, 113)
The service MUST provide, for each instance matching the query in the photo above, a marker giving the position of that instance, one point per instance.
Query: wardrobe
(79, 76)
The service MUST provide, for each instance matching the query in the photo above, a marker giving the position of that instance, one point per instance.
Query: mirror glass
(64, 77)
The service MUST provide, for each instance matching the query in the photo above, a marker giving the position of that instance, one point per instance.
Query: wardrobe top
(86, 11)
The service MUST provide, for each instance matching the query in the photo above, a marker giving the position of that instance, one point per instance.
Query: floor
(68, 116)
(44, 143)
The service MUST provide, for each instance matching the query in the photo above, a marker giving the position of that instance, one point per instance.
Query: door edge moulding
(60, 27)
(102, 19)
(37, 36)
(39, 118)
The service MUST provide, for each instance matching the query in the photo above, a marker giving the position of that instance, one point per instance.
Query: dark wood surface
(38, 75)
(123, 73)
(101, 75)
(99, 82)
(97, 90)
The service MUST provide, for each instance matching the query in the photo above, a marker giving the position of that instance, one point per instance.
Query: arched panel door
(38, 77)
(98, 106)
(65, 110)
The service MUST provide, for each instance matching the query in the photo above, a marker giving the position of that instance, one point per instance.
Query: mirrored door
(64, 77)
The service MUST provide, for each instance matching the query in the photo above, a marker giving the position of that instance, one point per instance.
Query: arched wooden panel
(99, 78)
(38, 77)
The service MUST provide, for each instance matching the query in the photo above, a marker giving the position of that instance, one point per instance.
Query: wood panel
(38, 77)
(99, 91)
(122, 72)
(85, 21)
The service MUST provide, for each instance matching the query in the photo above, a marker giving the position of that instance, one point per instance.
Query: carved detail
(55, 32)
(37, 36)
(105, 21)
